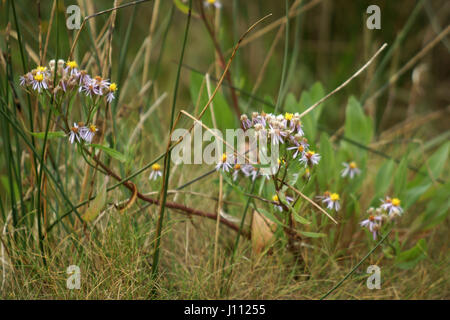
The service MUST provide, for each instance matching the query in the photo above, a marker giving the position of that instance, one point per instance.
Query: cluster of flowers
(69, 78)
(388, 211)
(283, 129)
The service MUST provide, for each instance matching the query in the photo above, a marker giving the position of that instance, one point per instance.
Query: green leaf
(111, 152)
(437, 209)
(434, 165)
(358, 127)
(410, 258)
(50, 134)
(96, 205)
(384, 177)
(312, 234)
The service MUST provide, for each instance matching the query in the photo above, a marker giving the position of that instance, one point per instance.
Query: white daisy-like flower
(373, 223)
(350, 169)
(40, 78)
(75, 133)
(298, 150)
(277, 135)
(331, 200)
(88, 133)
(310, 158)
(224, 163)
(89, 87)
(392, 207)
(156, 172)
(215, 3)
(72, 68)
(101, 84)
(111, 89)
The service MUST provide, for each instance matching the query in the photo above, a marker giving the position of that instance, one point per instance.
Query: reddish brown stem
(172, 205)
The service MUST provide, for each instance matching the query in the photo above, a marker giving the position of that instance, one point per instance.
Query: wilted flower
(392, 207)
(246, 123)
(350, 169)
(156, 172)
(373, 223)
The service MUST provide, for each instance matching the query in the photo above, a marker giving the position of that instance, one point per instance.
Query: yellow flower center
(300, 148)
(353, 165)
(275, 198)
(288, 116)
(113, 87)
(39, 77)
(41, 69)
(334, 197)
(371, 218)
(224, 157)
(72, 64)
(237, 166)
(93, 128)
(156, 167)
(309, 154)
(74, 129)
(396, 202)
(211, 1)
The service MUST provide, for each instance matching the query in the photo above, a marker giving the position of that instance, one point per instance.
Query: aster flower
(71, 68)
(236, 169)
(89, 87)
(156, 172)
(74, 133)
(39, 81)
(350, 169)
(88, 133)
(111, 89)
(298, 150)
(392, 207)
(224, 164)
(215, 3)
(310, 158)
(331, 200)
(277, 135)
(373, 223)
